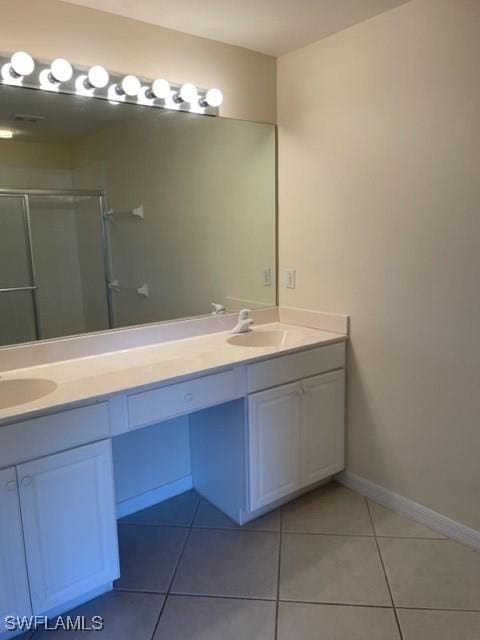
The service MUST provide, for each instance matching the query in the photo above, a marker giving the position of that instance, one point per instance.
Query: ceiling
(273, 27)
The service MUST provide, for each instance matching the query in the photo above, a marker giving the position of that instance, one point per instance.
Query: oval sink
(272, 338)
(23, 390)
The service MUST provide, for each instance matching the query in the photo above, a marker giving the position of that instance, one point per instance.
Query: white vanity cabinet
(14, 595)
(295, 436)
(322, 433)
(274, 443)
(68, 527)
(69, 524)
(290, 437)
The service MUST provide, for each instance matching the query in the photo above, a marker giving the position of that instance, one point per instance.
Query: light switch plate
(267, 277)
(291, 278)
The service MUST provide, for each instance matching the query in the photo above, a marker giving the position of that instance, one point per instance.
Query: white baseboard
(410, 509)
(149, 498)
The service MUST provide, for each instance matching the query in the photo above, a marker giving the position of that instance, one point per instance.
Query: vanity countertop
(101, 375)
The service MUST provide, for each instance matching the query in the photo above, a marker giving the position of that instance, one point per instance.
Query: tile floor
(329, 566)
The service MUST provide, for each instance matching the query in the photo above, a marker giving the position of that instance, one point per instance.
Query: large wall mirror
(114, 215)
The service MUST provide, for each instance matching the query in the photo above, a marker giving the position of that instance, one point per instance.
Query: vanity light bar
(20, 69)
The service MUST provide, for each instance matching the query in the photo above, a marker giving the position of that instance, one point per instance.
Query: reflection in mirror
(117, 215)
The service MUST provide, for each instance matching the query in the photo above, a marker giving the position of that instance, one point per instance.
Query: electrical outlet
(291, 278)
(267, 277)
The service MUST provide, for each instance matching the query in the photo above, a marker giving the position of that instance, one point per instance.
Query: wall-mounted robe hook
(114, 285)
(138, 212)
(143, 290)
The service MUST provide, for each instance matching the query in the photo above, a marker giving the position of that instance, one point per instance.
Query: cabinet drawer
(155, 405)
(39, 437)
(277, 371)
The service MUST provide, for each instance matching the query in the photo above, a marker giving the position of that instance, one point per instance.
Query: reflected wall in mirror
(118, 215)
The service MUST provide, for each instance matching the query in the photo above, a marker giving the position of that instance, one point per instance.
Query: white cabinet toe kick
(260, 434)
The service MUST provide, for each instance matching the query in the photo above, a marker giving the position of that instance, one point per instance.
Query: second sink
(22, 390)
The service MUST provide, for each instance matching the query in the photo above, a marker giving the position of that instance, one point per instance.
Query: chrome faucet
(244, 323)
(218, 309)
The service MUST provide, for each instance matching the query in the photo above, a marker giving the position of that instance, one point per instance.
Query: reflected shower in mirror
(114, 215)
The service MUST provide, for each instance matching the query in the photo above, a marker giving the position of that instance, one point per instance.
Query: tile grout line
(204, 527)
(384, 570)
(290, 601)
(277, 606)
(359, 535)
(180, 556)
(294, 533)
(286, 600)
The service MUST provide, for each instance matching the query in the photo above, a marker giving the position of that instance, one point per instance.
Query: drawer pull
(11, 485)
(188, 397)
(27, 481)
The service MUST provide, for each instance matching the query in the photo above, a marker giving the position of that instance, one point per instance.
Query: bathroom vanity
(266, 420)
(97, 420)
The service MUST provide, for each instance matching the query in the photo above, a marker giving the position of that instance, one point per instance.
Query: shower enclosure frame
(25, 195)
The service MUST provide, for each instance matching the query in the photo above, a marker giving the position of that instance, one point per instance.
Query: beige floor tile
(229, 563)
(329, 622)
(197, 618)
(209, 517)
(329, 509)
(391, 524)
(439, 625)
(148, 556)
(322, 568)
(436, 574)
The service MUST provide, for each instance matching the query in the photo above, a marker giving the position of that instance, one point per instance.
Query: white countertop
(101, 375)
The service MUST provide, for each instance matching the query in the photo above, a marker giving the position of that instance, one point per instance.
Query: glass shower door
(18, 310)
(53, 265)
(70, 263)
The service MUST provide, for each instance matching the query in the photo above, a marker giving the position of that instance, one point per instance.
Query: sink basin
(23, 390)
(271, 338)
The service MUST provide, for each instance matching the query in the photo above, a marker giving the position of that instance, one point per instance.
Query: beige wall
(379, 212)
(49, 28)
(34, 155)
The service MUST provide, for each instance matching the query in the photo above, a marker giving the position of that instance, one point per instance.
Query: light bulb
(146, 97)
(83, 87)
(188, 92)
(130, 85)
(97, 77)
(9, 76)
(161, 88)
(115, 94)
(47, 81)
(6, 134)
(214, 98)
(22, 64)
(61, 70)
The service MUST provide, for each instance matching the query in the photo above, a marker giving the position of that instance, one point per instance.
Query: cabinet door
(274, 439)
(14, 596)
(68, 512)
(323, 426)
